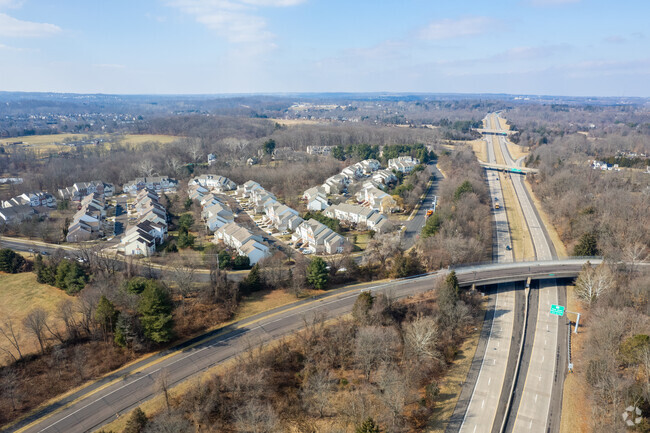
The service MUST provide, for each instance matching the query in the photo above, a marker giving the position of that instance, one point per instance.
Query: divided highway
(482, 408)
(101, 402)
(531, 407)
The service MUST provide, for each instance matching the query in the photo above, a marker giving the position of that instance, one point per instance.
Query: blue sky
(557, 47)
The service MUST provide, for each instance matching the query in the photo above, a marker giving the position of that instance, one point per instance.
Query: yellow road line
(139, 369)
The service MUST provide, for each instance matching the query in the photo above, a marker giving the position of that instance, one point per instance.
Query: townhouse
(243, 241)
(16, 213)
(213, 182)
(377, 199)
(283, 217)
(150, 228)
(217, 215)
(355, 214)
(319, 238)
(87, 222)
(33, 199)
(81, 189)
(154, 183)
(404, 164)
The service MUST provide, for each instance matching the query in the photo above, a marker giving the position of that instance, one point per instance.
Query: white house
(404, 164)
(215, 182)
(318, 203)
(320, 238)
(254, 250)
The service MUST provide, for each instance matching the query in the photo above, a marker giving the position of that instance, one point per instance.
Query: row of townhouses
(319, 238)
(360, 215)
(87, 222)
(213, 182)
(377, 199)
(282, 217)
(404, 164)
(150, 228)
(243, 241)
(16, 213)
(33, 199)
(154, 183)
(260, 197)
(81, 189)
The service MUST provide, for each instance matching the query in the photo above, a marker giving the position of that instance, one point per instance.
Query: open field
(294, 122)
(19, 294)
(56, 142)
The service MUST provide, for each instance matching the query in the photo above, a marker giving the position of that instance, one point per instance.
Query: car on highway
(508, 247)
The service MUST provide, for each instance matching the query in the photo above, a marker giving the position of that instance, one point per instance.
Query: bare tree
(12, 335)
(393, 389)
(10, 386)
(162, 382)
(146, 167)
(256, 417)
(66, 312)
(374, 345)
(421, 337)
(593, 282)
(317, 390)
(35, 323)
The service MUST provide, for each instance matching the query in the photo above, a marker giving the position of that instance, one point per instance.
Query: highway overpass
(98, 403)
(508, 168)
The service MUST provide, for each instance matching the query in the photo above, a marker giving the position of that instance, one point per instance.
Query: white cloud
(13, 27)
(237, 21)
(6, 4)
(451, 29)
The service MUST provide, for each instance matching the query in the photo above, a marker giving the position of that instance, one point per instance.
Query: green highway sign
(558, 310)
(551, 275)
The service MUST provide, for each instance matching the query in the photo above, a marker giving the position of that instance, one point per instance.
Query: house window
(339, 250)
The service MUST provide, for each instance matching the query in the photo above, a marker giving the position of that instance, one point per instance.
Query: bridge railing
(525, 262)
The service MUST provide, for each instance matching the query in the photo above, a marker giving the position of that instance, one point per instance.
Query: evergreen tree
(106, 315)
(10, 262)
(136, 423)
(368, 426)
(155, 309)
(253, 280)
(462, 189)
(317, 273)
(587, 245)
(269, 146)
(432, 226)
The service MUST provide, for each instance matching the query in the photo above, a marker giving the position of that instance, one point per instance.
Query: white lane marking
(489, 380)
(482, 403)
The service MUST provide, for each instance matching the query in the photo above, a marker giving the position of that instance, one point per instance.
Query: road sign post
(558, 310)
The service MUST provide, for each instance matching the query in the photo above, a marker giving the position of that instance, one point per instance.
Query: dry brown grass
(294, 122)
(452, 384)
(576, 406)
(522, 244)
(480, 149)
(52, 143)
(266, 300)
(560, 248)
(20, 294)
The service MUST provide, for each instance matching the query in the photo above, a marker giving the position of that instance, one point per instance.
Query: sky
(544, 47)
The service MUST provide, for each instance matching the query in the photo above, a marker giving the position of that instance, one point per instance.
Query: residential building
(283, 217)
(319, 238)
(81, 189)
(243, 241)
(217, 215)
(154, 183)
(87, 222)
(150, 228)
(319, 150)
(213, 182)
(377, 199)
(384, 177)
(212, 158)
(16, 213)
(404, 164)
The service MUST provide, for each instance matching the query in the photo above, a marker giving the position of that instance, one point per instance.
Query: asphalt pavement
(101, 402)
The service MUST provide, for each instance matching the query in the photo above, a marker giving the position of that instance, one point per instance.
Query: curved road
(100, 402)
